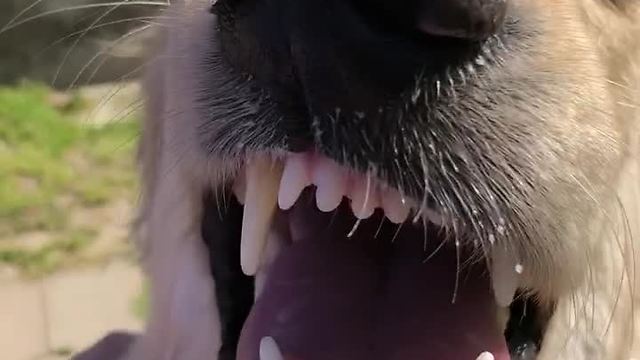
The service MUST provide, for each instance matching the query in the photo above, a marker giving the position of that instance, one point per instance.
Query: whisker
(121, 84)
(74, 8)
(142, 19)
(105, 51)
(456, 285)
(395, 235)
(131, 108)
(82, 35)
(19, 14)
(379, 227)
(130, 73)
(430, 256)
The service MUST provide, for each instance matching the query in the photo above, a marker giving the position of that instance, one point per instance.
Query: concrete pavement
(56, 316)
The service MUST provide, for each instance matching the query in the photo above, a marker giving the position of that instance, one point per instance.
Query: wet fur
(566, 104)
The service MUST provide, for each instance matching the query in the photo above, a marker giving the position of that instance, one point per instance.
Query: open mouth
(337, 265)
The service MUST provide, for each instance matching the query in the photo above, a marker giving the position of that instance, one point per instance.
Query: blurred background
(69, 123)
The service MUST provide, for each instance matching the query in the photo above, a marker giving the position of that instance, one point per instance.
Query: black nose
(357, 59)
(467, 19)
(464, 19)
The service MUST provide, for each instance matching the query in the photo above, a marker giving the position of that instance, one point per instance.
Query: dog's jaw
(174, 255)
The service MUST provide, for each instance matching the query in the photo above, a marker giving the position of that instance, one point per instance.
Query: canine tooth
(270, 252)
(395, 208)
(502, 317)
(485, 356)
(364, 197)
(263, 178)
(295, 178)
(503, 277)
(331, 183)
(240, 187)
(269, 349)
(259, 282)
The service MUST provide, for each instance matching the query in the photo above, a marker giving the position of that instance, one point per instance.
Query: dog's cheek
(182, 290)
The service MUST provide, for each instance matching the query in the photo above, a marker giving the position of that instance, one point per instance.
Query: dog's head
(419, 179)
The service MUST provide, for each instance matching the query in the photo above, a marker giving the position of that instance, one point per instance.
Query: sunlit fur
(565, 106)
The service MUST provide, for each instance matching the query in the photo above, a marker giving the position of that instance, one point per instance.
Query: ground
(67, 193)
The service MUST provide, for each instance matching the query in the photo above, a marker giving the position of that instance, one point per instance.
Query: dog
(429, 179)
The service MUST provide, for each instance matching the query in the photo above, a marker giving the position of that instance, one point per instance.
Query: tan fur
(594, 44)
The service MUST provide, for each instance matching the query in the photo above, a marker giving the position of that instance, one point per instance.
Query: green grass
(62, 351)
(140, 305)
(49, 257)
(51, 164)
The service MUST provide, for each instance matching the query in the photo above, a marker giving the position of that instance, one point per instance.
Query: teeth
(263, 179)
(294, 179)
(364, 197)
(395, 209)
(484, 356)
(504, 277)
(270, 252)
(269, 349)
(331, 182)
(264, 185)
(502, 317)
(240, 187)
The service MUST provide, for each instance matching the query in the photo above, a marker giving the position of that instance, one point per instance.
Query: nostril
(465, 19)
(473, 20)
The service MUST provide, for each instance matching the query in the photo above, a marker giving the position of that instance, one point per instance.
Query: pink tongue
(361, 298)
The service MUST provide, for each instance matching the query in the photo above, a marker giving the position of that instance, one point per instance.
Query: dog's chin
(338, 265)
